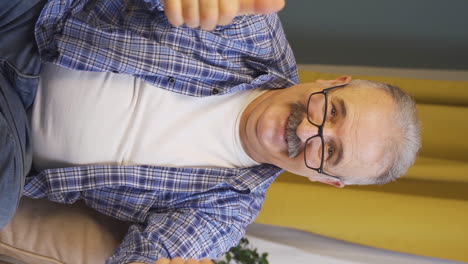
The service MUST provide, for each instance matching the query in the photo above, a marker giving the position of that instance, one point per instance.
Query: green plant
(243, 254)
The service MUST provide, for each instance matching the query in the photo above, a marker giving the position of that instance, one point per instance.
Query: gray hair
(401, 150)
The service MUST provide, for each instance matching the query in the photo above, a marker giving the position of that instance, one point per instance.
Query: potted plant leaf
(243, 254)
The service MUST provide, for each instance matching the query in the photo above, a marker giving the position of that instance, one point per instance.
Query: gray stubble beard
(298, 111)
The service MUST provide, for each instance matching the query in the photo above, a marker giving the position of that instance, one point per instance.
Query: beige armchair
(43, 232)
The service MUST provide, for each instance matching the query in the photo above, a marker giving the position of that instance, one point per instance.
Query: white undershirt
(90, 118)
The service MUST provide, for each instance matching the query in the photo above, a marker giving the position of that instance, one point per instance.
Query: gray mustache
(294, 142)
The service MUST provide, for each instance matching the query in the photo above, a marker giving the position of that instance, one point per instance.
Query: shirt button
(171, 80)
(215, 91)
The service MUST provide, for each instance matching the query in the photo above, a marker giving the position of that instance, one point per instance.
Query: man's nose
(306, 130)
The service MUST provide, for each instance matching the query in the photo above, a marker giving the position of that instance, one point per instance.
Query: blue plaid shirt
(185, 212)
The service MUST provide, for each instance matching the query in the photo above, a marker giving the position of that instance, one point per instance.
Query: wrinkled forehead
(370, 130)
(372, 146)
(363, 95)
(367, 155)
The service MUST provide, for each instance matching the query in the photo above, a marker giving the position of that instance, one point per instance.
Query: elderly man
(178, 129)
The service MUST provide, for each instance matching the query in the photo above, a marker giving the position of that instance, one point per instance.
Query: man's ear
(328, 180)
(337, 81)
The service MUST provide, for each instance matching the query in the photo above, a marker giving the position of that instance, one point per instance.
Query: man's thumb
(260, 6)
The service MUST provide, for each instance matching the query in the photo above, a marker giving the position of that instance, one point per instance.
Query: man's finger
(206, 261)
(162, 261)
(269, 6)
(177, 261)
(208, 14)
(227, 11)
(192, 261)
(173, 10)
(190, 11)
(260, 6)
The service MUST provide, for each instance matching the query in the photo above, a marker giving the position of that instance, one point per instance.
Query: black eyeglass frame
(320, 130)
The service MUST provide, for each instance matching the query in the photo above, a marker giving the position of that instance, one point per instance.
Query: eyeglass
(318, 119)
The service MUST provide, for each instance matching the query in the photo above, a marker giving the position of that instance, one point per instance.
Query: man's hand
(181, 261)
(209, 13)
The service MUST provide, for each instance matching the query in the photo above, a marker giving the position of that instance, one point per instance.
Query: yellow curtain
(424, 213)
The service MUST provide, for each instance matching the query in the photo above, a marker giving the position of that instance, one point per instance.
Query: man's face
(356, 131)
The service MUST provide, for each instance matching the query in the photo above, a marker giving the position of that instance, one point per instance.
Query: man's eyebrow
(342, 107)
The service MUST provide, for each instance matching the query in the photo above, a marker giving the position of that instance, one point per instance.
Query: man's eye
(331, 151)
(333, 111)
